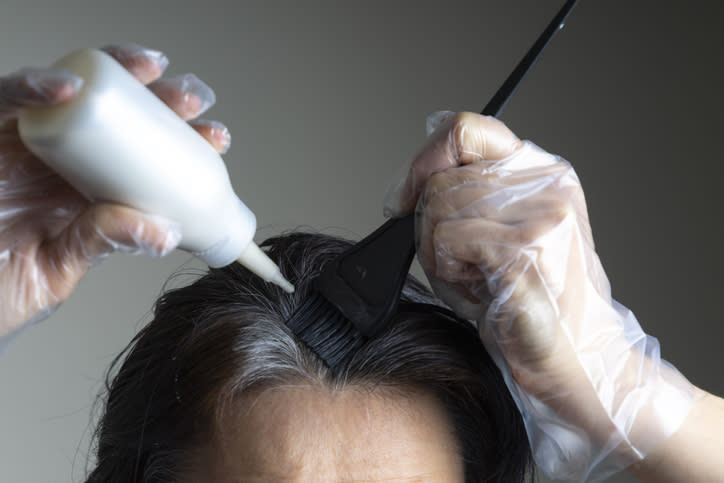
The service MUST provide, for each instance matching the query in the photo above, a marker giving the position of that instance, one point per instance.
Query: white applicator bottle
(116, 141)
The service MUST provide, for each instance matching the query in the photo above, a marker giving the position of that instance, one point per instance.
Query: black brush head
(325, 330)
(364, 283)
(357, 293)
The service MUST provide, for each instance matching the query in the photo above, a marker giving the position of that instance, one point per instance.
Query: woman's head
(217, 388)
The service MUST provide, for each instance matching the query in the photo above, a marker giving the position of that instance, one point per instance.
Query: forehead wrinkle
(255, 395)
(275, 424)
(380, 457)
(349, 435)
(416, 478)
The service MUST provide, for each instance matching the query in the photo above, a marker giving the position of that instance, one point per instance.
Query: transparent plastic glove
(49, 234)
(504, 238)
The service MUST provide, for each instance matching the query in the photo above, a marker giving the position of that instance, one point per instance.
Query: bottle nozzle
(258, 262)
(283, 283)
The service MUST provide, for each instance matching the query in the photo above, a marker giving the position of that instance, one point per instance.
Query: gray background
(327, 100)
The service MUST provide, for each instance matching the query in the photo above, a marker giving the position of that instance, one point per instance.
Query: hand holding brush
(504, 238)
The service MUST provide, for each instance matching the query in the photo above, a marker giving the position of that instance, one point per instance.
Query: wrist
(693, 452)
(662, 403)
(613, 415)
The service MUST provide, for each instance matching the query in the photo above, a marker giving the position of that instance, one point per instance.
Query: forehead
(304, 434)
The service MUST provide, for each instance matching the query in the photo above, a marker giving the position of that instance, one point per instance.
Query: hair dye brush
(357, 293)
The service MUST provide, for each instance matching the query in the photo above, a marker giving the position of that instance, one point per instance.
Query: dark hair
(225, 335)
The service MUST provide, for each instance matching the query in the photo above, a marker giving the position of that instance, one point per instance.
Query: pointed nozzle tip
(278, 279)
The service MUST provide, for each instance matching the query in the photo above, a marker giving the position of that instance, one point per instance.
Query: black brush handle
(504, 93)
(366, 282)
(497, 103)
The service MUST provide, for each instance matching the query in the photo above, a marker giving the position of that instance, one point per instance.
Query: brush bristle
(325, 330)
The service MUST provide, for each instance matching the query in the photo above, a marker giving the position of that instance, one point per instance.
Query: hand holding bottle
(49, 233)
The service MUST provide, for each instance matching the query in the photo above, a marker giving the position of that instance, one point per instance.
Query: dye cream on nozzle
(116, 141)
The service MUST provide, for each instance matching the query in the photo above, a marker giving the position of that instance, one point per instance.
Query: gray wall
(327, 100)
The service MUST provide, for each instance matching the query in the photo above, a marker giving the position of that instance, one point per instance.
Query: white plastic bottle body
(116, 141)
